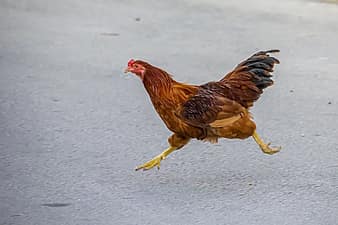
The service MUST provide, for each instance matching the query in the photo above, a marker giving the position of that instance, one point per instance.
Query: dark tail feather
(260, 66)
(250, 77)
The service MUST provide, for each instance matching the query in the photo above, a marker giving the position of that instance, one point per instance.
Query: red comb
(131, 62)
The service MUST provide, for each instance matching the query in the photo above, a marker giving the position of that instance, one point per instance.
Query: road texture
(73, 127)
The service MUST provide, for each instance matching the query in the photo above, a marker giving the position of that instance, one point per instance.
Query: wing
(210, 107)
(250, 77)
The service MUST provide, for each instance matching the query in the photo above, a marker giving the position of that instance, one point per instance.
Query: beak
(126, 70)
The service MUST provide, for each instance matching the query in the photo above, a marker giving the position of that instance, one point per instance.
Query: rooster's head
(135, 67)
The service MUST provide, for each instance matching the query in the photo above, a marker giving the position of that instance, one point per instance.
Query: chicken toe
(156, 161)
(265, 147)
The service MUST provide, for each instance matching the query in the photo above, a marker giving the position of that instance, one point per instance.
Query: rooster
(210, 111)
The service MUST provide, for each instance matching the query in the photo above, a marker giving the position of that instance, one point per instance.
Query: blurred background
(73, 126)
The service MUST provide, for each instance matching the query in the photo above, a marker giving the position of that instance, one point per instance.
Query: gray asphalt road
(73, 126)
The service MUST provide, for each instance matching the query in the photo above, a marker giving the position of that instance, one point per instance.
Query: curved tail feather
(248, 80)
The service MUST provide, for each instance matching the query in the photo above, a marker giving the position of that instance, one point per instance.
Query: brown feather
(248, 80)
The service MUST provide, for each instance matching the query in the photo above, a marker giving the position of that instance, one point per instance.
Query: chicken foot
(156, 161)
(265, 147)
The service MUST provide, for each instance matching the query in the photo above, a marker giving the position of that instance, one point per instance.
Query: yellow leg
(157, 159)
(265, 147)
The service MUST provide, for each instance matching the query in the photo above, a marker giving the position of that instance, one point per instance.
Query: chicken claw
(265, 147)
(156, 161)
(269, 150)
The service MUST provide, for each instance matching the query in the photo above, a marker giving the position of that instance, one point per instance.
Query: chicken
(210, 111)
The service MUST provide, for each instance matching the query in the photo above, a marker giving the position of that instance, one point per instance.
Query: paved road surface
(73, 126)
